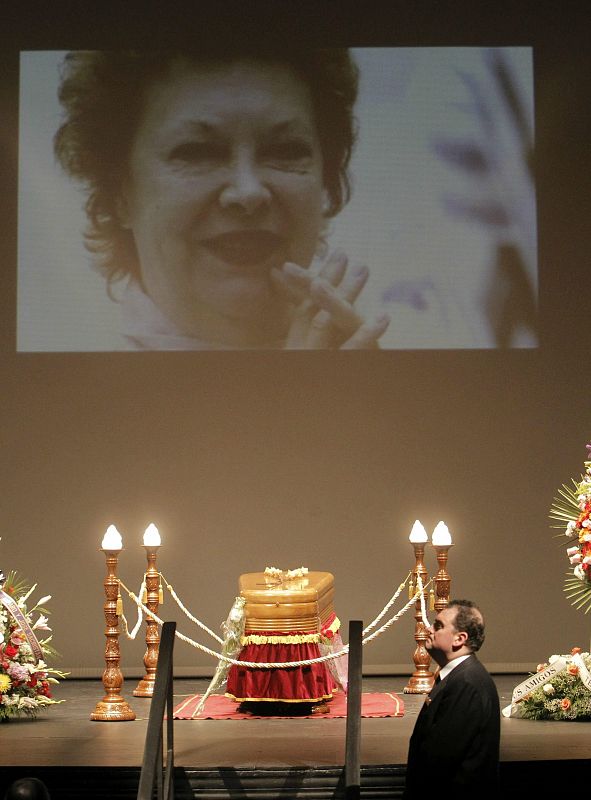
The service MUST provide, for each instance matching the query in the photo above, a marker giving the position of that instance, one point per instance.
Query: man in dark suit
(455, 742)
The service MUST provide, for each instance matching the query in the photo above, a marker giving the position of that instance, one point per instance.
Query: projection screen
(442, 213)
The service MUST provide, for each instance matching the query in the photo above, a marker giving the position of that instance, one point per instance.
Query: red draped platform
(308, 684)
(373, 704)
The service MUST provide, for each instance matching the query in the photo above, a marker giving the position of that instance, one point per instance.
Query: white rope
(187, 613)
(426, 622)
(271, 664)
(140, 615)
(204, 627)
(388, 605)
(391, 621)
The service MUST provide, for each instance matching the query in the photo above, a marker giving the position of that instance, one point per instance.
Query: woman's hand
(324, 315)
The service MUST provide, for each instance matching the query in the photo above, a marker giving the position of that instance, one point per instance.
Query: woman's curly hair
(102, 94)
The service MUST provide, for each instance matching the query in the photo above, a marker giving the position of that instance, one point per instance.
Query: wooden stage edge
(266, 758)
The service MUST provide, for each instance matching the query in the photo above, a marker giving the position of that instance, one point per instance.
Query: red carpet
(382, 704)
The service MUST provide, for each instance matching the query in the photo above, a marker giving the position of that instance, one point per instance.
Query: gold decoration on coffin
(291, 638)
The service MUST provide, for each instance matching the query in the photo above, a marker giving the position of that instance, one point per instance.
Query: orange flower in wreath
(573, 669)
(565, 704)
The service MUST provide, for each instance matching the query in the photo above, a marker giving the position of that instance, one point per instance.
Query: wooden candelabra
(113, 707)
(145, 687)
(421, 681)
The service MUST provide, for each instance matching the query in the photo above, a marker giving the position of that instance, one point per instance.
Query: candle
(418, 533)
(112, 539)
(441, 534)
(151, 536)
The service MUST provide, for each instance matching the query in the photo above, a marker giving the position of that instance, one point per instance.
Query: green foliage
(569, 699)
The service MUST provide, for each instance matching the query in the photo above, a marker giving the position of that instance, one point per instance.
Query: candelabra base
(116, 710)
(145, 687)
(419, 684)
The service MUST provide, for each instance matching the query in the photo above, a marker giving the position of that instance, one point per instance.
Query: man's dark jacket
(455, 742)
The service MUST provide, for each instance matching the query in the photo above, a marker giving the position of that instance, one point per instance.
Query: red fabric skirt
(307, 684)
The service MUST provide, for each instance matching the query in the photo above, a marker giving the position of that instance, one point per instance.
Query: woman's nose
(245, 190)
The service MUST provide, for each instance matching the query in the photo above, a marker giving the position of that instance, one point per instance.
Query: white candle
(112, 539)
(441, 534)
(418, 533)
(151, 536)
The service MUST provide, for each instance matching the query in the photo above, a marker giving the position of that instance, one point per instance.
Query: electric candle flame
(441, 534)
(112, 539)
(151, 536)
(418, 533)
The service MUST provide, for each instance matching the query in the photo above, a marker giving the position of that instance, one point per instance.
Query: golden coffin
(285, 605)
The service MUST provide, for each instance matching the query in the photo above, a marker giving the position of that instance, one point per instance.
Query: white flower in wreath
(27, 702)
(553, 658)
(26, 650)
(587, 537)
(576, 559)
(579, 572)
(548, 689)
(570, 551)
(41, 624)
(571, 529)
(43, 600)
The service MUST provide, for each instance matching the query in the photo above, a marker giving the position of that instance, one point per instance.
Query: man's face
(444, 640)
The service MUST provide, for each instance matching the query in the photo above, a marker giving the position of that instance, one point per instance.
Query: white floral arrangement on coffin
(25, 677)
(287, 575)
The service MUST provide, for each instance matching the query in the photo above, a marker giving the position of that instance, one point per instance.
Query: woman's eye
(196, 152)
(290, 151)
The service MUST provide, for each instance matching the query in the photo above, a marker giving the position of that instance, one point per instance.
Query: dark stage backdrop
(324, 459)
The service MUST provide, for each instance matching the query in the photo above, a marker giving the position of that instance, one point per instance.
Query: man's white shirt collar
(444, 671)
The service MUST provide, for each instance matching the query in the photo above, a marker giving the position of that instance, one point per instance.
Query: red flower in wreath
(10, 651)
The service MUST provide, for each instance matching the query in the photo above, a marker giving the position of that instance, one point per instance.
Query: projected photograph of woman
(211, 178)
(277, 198)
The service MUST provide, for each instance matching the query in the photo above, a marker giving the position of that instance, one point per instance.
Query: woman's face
(225, 183)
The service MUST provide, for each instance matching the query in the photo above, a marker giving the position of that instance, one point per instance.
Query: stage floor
(65, 736)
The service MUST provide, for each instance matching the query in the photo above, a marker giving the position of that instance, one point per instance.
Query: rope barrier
(140, 615)
(286, 664)
(204, 627)
(422, 598)
(388, 605)
(188, 613)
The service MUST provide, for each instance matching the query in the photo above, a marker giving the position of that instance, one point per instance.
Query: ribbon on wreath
(15, 612)
(559, 664)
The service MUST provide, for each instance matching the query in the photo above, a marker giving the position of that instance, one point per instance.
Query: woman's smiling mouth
(246, 248)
